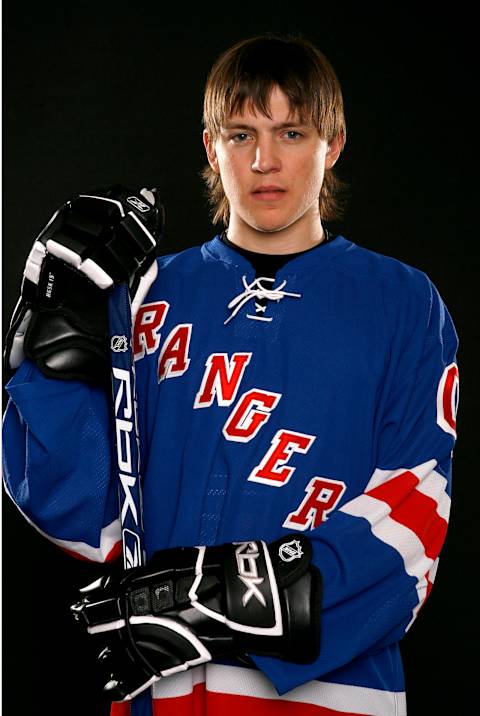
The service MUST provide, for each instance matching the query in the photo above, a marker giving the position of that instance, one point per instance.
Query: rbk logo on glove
(247, 554)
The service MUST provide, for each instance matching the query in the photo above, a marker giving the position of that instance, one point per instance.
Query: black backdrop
(107, 91)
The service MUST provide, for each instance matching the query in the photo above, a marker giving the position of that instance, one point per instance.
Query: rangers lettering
(322, 497)
(148, 321)
(245, 421)
(222, 379)
(284, 443)
(447, 399)
(173, 360)
(247, 555)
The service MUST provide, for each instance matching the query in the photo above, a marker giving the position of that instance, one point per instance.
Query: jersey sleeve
(378, 553)
(56, 458)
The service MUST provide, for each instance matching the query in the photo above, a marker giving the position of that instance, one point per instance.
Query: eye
(240, 138)
(292, 134)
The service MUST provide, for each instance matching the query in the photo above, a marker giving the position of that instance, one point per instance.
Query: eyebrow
(282, 125)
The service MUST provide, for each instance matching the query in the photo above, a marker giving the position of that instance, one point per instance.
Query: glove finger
(150, 195)
(122, 676)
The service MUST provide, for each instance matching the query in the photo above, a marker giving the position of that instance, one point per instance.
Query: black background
(101, 92)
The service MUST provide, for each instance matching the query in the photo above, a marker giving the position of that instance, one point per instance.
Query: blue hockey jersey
(331, 412)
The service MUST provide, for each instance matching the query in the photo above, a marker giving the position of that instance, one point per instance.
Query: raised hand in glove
(92, 242)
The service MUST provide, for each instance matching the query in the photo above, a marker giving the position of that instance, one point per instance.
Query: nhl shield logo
(119, 344)
(290, 550)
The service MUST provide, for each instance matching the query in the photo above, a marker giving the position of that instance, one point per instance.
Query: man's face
(271, 169)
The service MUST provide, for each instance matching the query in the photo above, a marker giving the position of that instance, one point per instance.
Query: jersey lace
(257, 290)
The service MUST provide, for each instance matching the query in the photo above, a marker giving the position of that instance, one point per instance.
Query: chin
(269, 226)
(272, 229)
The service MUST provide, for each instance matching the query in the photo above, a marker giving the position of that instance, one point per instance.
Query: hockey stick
(126, 448)
(126, 444)
(126, 457)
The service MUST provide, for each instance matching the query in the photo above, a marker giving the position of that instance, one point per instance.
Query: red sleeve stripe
(206, 703)
(430, 482)
(414, 510)
(113, 555)
(391, 532)
(110, 545)
(395, 490)
(219, 689)
(408, 510)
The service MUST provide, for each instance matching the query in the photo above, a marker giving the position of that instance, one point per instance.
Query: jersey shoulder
(388, 271)
(185, 261)
(404, 293)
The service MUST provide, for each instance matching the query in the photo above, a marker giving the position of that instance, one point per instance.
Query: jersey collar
(305, 262)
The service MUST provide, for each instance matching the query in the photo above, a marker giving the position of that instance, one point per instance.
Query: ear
(334, 150)
(211, 153)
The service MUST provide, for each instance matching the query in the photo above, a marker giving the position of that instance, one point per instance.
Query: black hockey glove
(191, 605)
(94, 241)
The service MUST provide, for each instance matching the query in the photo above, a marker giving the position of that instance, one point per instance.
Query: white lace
(256, 290)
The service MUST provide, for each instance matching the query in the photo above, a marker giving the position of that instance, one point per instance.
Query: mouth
(268, 193)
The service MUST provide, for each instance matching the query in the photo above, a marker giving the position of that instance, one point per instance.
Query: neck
(289, 240)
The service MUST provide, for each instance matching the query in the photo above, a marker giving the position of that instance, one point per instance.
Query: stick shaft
(126, 452)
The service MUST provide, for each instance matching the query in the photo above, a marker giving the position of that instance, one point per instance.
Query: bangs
(248, 73)
(255, 97)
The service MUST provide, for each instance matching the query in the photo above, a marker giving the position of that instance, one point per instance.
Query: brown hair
(247, 72)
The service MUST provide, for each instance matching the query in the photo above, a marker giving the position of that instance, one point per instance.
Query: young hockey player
(296, 404)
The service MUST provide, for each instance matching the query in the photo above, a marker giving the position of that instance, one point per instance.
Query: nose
(266, 156)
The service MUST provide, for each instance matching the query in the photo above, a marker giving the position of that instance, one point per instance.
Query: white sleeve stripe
(181, 684)
(435, 486)
(240, 681)
(387, 530)
(433, 571)
(380, 476)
